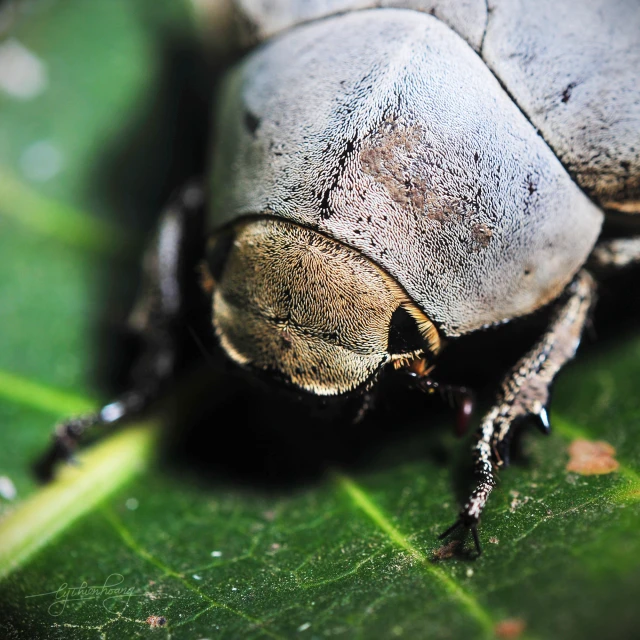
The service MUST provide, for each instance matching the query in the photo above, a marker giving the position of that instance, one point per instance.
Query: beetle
(402, 169)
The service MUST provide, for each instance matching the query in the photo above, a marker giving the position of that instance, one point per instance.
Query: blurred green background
(103, 113)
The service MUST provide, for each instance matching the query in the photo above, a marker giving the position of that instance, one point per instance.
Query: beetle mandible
(432, 168)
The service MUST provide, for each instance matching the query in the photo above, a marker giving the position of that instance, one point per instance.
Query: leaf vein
(142, 553)
(455, 590)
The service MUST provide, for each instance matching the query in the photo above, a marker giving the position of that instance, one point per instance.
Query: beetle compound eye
(404, 334)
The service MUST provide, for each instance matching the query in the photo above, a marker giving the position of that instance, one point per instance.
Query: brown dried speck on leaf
(510, 629)
(156, 621)
(446, 551)
(592, 458)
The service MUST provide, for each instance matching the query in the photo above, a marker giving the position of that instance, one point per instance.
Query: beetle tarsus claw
(476, 537)
(469, 524)
(456, 525)
(542, 421)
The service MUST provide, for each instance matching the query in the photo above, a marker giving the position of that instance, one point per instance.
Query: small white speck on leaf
(469, 572)
(195, 576)
(517, 501)
(7, 488)
(234, 588)
(216, 554)
(22, 74)
(304, 627)
(131, 504)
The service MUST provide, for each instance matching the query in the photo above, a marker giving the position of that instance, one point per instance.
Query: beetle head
(314, 312)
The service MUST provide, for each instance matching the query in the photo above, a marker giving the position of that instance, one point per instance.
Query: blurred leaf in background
(87, 156)
(104, 117)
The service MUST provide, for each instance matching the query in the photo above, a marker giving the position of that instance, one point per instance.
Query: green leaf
(354, 554)
(75, 492)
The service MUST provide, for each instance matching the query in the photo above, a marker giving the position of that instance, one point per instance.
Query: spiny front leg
(69, 433)
(169, 261)
(525, 392)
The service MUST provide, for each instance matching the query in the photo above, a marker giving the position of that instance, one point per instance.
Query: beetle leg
(618, 253)
(155, 319)
(462, 398)
(525, 392)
